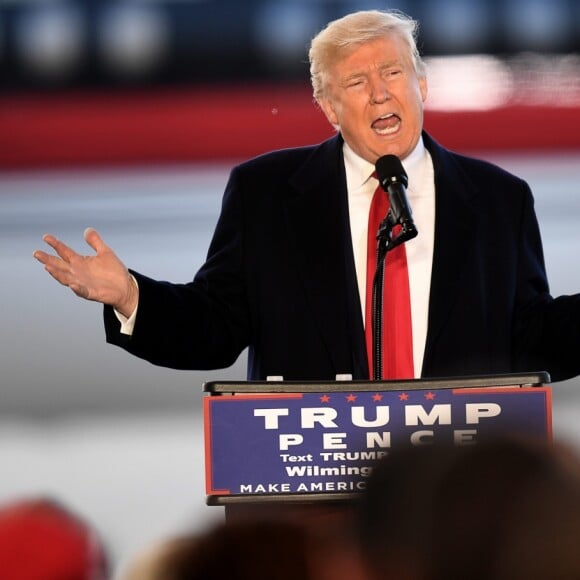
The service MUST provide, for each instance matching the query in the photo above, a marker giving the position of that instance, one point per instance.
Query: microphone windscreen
(390, 170)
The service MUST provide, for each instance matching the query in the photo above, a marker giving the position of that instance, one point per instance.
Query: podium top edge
(287, 498)
(535, 379)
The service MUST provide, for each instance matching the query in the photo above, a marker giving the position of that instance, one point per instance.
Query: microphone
(393, 179)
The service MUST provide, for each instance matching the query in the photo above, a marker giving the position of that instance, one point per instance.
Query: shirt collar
(358, 170)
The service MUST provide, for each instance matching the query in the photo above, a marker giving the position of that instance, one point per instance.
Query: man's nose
(379, 91)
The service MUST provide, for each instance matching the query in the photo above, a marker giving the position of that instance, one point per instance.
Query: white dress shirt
(421, 196)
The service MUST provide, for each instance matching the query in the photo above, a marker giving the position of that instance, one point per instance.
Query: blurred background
(127, 116)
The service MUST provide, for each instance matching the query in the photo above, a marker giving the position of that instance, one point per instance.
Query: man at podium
(286, 271)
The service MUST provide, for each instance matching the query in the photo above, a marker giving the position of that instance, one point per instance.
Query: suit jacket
(280, 279)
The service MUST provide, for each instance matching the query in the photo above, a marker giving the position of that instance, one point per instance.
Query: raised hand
(101, 277)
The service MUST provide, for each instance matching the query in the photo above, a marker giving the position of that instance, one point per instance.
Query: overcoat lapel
(455, 235)
(318, 223)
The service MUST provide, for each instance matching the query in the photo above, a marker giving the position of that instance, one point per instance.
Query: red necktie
(397, 334)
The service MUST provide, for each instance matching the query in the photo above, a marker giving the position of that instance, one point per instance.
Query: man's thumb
(94, 240)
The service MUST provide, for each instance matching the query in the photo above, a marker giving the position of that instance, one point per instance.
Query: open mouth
(387, 124)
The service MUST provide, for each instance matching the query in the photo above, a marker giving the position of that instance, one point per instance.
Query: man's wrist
(128, 320)
(129, 305)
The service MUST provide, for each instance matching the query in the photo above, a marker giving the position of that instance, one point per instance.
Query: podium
(305, 449)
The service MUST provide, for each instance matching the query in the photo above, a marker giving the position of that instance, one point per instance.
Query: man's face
(375, 97)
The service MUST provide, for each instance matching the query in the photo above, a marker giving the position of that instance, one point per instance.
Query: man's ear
(329, 111)
(423, 88)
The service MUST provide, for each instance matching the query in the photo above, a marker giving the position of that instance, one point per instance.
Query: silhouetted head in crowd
(42, 540)
(260, 550)
(505, 509)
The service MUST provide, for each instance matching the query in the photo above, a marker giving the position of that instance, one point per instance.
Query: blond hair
(355, 29)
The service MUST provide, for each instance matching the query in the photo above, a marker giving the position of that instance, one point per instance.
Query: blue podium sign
(327, 442)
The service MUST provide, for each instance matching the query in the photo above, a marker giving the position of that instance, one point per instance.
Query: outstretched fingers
(99, 276)
(62, 265)
(63, 251)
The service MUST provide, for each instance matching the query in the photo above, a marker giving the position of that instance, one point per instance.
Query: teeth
(387, 131)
